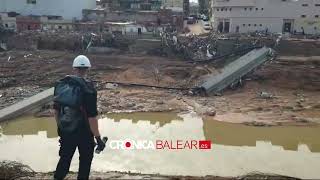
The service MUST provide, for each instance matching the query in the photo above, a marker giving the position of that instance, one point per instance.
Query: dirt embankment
(285, 91)
(280, 92)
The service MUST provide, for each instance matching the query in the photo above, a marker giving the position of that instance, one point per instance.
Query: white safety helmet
(81, 61)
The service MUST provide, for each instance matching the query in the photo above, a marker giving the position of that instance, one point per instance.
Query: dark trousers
(68, 144)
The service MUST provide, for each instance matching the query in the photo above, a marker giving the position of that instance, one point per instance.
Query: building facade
(15, 22)
(172, 3)
(55, 23)
(204, 6)
(163, 17)
(8, 22)
(276, 16)
(186, 8)
(68, 9)
(28, 23)
(140, 5)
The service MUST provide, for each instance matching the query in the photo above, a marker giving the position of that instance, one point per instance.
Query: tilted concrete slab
(236, 70)
(26, 105)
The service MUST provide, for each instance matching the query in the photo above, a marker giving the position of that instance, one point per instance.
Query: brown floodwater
(236, 149)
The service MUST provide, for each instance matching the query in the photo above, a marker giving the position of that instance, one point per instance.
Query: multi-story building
(172, 3)
(292, 16)
(147, 5)
(56, 23)
(68, 9)
(186, 8)
(27, 23)
(204, 6)
(177, 6)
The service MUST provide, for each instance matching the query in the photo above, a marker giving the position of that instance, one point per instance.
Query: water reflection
(29, 125)
(152, 117)
(236, 149)
(289, 137)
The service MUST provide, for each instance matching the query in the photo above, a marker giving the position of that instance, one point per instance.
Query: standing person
(75, 104)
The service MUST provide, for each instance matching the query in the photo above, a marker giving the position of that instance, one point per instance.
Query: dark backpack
(69, 95)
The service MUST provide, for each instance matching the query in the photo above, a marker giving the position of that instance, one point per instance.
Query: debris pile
(72, 41)
(214, 46)
(14, 170)
(190, 48)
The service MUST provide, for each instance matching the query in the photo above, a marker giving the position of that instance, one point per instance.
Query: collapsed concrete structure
(234, 72)
(26, 105)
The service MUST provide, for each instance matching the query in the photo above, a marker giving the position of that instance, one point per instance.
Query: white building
(129, 28)
(68, 9)
(266, 15)
(8, 22)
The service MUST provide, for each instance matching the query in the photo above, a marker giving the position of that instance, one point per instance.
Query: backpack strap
(84, 112)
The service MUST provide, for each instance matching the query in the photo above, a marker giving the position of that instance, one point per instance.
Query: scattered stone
(258, 109)
(302, 120)
(287, 107)
(116, 92)
(111, 86)
(211, 112)
(300, 105)
(159, 102)
(130, 105)
(266, 95)
(140, 107)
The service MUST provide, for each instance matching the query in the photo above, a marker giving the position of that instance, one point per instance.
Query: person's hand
(100, 144)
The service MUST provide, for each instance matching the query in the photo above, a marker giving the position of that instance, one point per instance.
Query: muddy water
(236, 149)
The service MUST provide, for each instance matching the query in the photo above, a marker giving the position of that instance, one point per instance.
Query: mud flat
(285, 91)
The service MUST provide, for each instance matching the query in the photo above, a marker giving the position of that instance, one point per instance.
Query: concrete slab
(236, 70)
(26, 105)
